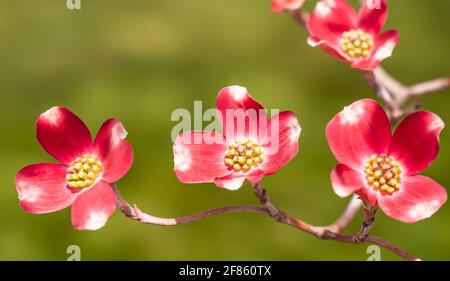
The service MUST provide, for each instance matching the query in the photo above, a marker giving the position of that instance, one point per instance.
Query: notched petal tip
(353, 112)
(231, 182)
(434, 125)
(52, 115)
(292, 125)
(95, 221)
(237, 93)
(182, 159)
(313, 41)
(437, 125)
(279, 6)
(119, 132)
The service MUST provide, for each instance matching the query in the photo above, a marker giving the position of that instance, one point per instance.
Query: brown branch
(396, 95)
(134, 213)
(388, 245)
(267, 208)
(380, 91)
(369, 220)
(402, 93)
(361, 237)
(432, 86)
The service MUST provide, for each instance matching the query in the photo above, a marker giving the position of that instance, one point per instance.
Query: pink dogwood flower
(335, 27)
(382, 168)
(83, 176)
(239, 152)
(279, 6)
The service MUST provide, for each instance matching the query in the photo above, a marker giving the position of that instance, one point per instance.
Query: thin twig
(300, 16)
(396, 95)
(134, 213)
(347, 216)
(427, 87)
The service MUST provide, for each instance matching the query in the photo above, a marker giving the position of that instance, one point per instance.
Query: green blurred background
(138, 60)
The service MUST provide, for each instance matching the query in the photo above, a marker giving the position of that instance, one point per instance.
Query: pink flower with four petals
(382, 168)
(239, 153)
(335, 27)
(83, 177)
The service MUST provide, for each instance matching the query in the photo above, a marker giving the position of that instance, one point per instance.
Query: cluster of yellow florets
(356, 43)
(243, 155)
(83, 171)
(383, 173)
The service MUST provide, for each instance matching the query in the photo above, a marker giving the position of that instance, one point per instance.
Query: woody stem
(267, 208)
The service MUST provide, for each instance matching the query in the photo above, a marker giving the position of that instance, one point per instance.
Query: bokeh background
(138, 61)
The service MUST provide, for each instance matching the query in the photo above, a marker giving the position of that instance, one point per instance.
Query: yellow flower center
(84, 171)
(356, 43)
(243, 155)
(383, 173)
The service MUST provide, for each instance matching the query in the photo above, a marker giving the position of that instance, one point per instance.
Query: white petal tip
(53, 115)
(182, 158)
(96, 221)
(237, 92)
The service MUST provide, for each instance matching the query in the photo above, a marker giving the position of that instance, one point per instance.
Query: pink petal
(235, 180)
(373, 15)
(115, 153)
(359, 131)
(255, 176)
(368, 195)
(199, 158)
(240, 114)
(282, 5)
(92, 208)
(418, 198)
(384, 46)
(42, 188)
(346, 181)
(231, 182)
(277, 6)
(330, 19)
(62, 134)
(281, 145)
(316, 42)
(416, 141)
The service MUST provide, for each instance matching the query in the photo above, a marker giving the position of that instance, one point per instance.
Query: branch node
(369, 220)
